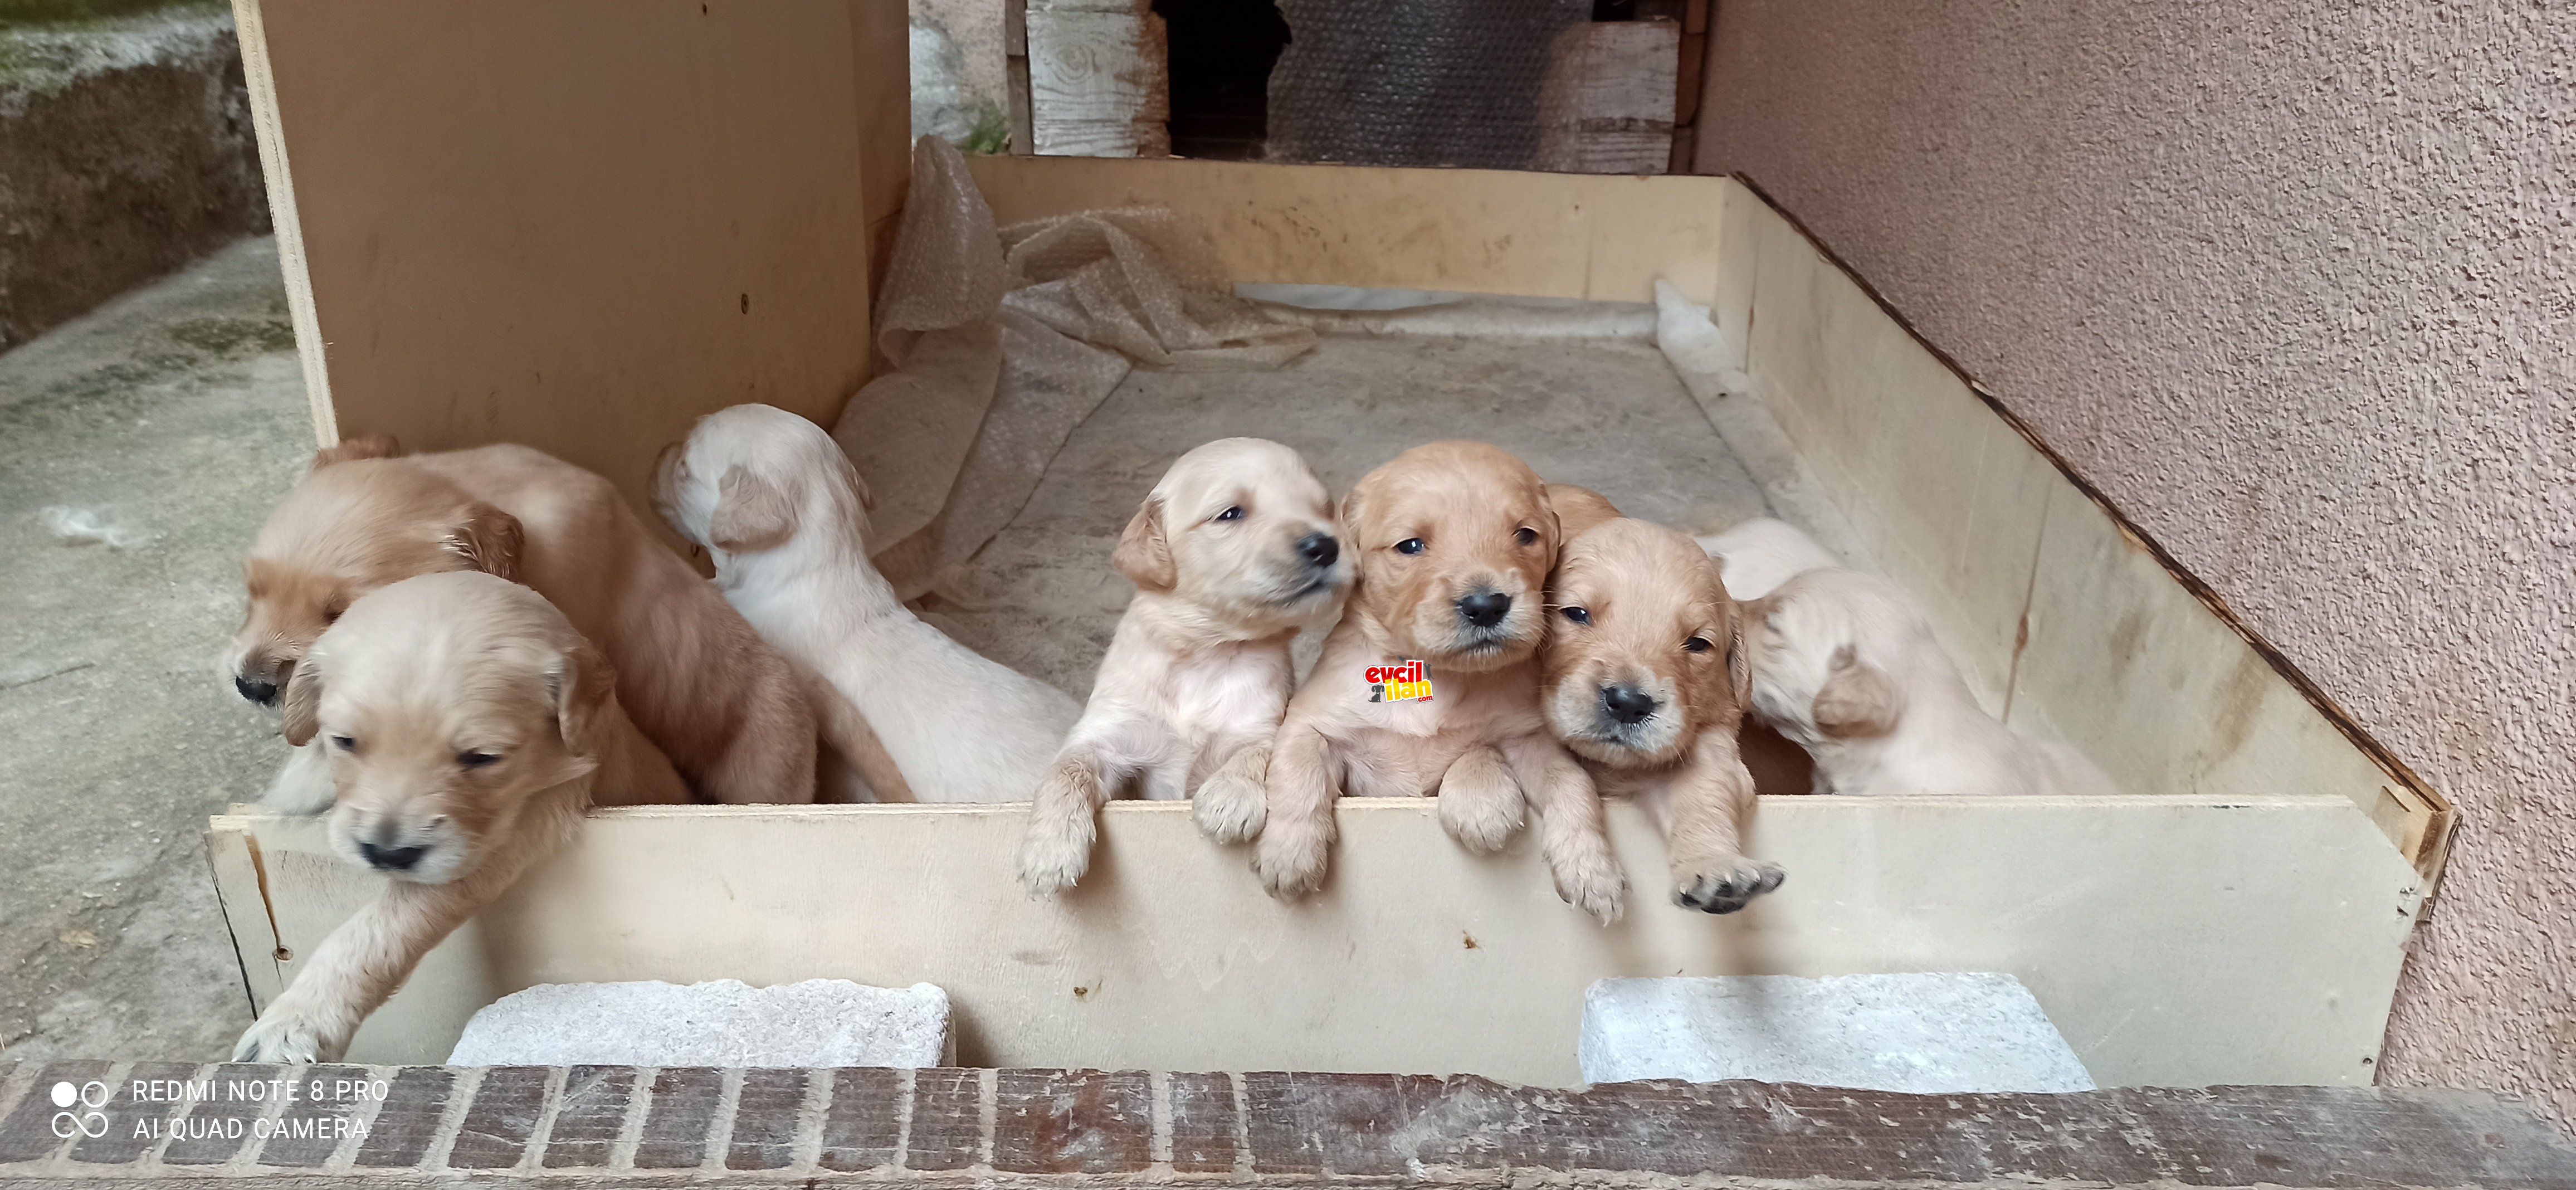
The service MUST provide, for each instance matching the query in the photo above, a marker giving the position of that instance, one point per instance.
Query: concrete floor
(177, 413)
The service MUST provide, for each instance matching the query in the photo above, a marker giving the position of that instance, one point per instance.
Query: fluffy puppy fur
(1578, 509)
(725, 707)
(1647, 678)
(1453, 541)
(1763, 553)
(467, 726)
(1846, 668)
(784, 515)
(1231, 554)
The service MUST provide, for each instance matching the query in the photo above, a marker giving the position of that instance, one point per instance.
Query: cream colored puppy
(1231, 554)
(467, 727)
(1454, 543)
(1845, 667)
(1762, 553)
(782, 512)
(1647, 680)
(722, 705)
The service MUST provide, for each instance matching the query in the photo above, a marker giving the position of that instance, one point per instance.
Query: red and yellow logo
(1401, 682)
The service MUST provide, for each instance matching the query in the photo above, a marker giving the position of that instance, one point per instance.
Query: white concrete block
(1922, 1033)
(820, 1022)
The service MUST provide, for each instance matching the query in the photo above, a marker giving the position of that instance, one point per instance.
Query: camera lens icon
(92, 1123)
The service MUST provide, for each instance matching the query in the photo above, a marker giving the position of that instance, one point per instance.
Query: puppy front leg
(362, 963)
(1480, 803)
(1705, 841)
(1231, 804)
(1056, 851)
(1297, 839)
(303, 784)
(1571, 833)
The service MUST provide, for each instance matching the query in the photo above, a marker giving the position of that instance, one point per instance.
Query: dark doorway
(1221, 52)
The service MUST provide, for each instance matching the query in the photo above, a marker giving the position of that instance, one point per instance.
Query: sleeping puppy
(723, 706)
(1429, 685)
(1844, 666)
(467, 727)
(780, 509)
(1647, 680)
(1763, 553)
(1231, 554)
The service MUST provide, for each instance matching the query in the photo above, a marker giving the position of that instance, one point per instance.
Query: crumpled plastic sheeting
(1005, 339)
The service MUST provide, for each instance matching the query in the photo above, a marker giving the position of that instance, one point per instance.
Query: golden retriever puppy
(724, 706)
(778, 506)
(1232, 553)
(1429, 684)
(467, 727)
(1846, 668)
(1647, 678)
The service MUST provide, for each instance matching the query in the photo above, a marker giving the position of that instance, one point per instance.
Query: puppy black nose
(1318, 549)
(1485, 609)
(391, 859)
(1627, 704)
(262, 693)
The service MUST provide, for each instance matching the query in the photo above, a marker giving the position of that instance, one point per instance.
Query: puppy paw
(1291, 862)
(303, 783)
(1727, 885)
(1231, 805)
(284, 1037)
(1595, 885)
(1055, 853)
(1480, 805)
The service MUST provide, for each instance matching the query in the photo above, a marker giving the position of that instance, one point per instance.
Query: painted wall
(2296, 283)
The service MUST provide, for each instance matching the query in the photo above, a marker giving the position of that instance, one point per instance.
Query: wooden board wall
(581, 223)
(2238, 964)
(1475, 231)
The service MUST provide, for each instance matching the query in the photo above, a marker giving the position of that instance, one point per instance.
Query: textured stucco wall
(2297, 284)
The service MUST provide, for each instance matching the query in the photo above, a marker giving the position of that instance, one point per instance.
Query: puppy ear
(752, 513)
(364, 446)
(1857, 700)
(1144, 554)
(488, 539)
(303, 700)
(584, 687)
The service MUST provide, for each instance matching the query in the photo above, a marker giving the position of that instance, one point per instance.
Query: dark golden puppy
(1647, 678)
(1429, 685)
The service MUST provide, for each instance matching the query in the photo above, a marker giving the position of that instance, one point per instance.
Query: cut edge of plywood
(260, 79)
(2415, 817)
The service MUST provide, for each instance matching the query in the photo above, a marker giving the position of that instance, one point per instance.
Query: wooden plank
(1015, 68)
(277, 173)
(881, 49)
(1478, 231)
(1948, 499)
(241, 888)
(1098, 82)
(2112, 647)
(577, 224)
(1607, 105)
(2233, 967)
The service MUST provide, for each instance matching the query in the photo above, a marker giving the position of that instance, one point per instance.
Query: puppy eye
(1697, 644)
(344, 743)
(476, 760)
(1410, 545)
(331, 612)
(1577, 615)
(1234, 513)
(1525, 535)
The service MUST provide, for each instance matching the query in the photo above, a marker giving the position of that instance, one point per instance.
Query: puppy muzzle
(262, 679)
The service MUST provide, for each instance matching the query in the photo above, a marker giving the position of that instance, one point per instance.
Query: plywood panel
(575, 224)
(1474, 231)
(1947, 498)
(2145, 678)
(2268, 955)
